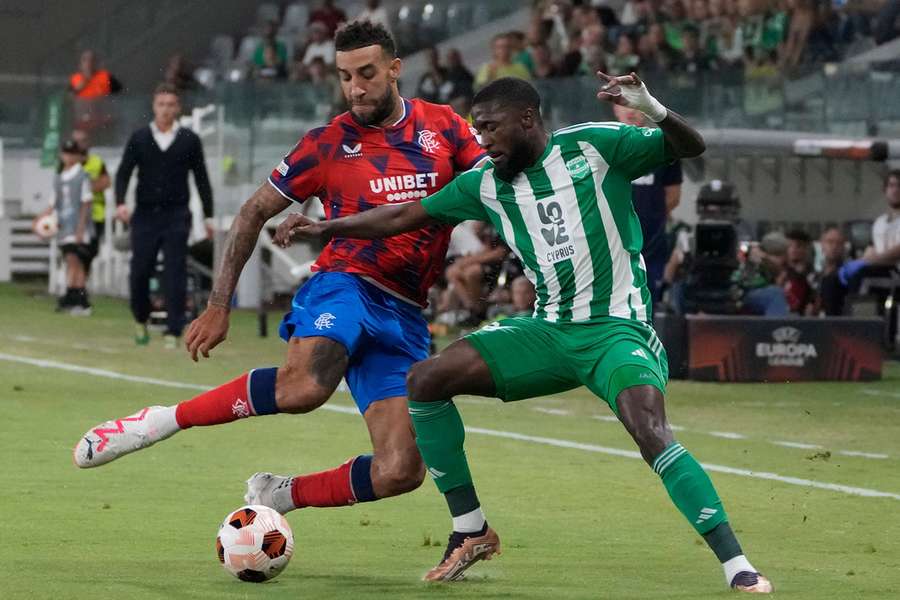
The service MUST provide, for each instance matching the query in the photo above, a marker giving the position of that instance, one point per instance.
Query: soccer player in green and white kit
(562, 202)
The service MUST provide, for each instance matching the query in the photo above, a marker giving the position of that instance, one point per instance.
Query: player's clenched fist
(297, 227)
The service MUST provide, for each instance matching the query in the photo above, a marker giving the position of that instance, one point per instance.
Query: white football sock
(282, 498)
(163, 421)
(471, 522)
(735, 565)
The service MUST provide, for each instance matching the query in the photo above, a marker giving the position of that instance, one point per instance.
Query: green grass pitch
(575, 522)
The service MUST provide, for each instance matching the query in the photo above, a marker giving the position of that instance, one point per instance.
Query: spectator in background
(375, 13)
(468, 275)
(655, 52)
(321, 44)
(178, 73)
(501, 65)
(886, 229)
(542, 62)
(523, 296)
(693, 59)
(654, 196)
(95, 168)
(831, 294)
(802, 20)
(328, 15)
(72, 203)
(272, 67)
(729, 43)
(798, 273)
(326, 84)
(270, 39)
(517, 301)
(593, 49)
(459, 78)
(674, 18)
(164, 153)
(89, 82)
(519, 44)
(429, 88)
(625, 59)
(762, 277)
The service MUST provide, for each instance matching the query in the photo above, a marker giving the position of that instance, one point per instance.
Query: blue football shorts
(383, 335)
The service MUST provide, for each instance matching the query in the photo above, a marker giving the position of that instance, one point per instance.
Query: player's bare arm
(380, 222)
(210, 328)
(682, 140)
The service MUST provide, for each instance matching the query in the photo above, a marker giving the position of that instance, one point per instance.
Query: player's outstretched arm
(210, 328)
(380, 222)
(682, 140)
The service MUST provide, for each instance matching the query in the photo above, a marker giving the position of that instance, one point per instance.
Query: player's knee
(423, 381)
(296, 392)
(399, 473)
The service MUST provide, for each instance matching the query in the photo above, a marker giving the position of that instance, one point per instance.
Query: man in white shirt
(320, 44)
(885, 249)
(883, 255)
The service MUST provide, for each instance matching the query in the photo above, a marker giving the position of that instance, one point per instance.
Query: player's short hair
(359, 34)
(166, 88)
(893, 173)
(510, 91)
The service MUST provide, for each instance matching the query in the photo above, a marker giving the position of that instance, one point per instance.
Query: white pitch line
(554, 411)
(876, 455)
(606, 418)
(835, 487)
(728, 435)
(800, 445)
(871, 392)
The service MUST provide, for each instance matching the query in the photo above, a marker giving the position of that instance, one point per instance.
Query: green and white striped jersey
(569, 219)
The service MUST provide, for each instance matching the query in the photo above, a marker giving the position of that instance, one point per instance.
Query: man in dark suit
(164, 153)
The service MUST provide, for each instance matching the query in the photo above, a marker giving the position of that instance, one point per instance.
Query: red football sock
(224, 404)
(326, 488)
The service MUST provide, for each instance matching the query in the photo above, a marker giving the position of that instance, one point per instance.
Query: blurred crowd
(736, 39)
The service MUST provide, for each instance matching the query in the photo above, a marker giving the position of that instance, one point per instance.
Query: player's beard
(515, 163)
(382, 110)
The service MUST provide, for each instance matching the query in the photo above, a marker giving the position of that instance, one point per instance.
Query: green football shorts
(530, 357)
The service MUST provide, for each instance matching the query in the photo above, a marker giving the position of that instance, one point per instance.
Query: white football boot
(270, 490)
(112, 439)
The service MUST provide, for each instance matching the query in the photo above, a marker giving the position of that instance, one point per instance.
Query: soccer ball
(45, 226)
(255, 543)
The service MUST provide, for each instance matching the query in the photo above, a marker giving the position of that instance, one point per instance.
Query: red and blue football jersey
(352, 168)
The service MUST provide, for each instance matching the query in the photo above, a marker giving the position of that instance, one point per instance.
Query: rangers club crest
(428, 141)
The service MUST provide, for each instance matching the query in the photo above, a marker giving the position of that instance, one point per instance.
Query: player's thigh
(395, 338)
(524, 358)
(616, 355)
(312, 369)
(329, 305)
(457, 370)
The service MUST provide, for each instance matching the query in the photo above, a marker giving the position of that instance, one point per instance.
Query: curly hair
(359, 34)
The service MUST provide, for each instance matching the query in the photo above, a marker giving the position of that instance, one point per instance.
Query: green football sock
(440, 435)
(690, 488)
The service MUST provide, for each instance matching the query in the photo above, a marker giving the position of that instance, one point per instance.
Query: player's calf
(642, 411)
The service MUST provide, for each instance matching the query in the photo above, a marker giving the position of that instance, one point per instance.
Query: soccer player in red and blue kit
(360, 315)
